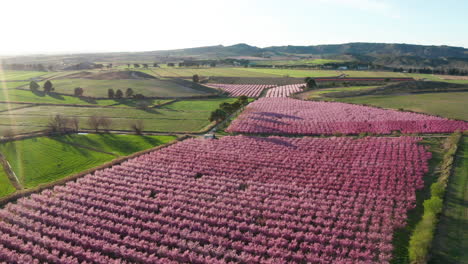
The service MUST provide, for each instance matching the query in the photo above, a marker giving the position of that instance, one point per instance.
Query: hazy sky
(54, 26)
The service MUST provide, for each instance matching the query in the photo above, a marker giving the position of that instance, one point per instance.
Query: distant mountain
(376, 49)
(213, 51)
(372, 49)
(391, 55)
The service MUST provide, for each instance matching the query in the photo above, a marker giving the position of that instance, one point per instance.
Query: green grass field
(240, 72)
(43, 160)
(26, 96)
(121, 145)
(401, 236)
(147, 87)
(434, 78)
(20, 75)
(181, 116)
(450, 104)
(296, 62)
(12, 85)
(451, 238)
(226, 72)
(317, 94)
(5, 186)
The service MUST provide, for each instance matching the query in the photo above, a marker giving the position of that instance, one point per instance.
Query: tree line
(48, 87)
(450, 71)
(27, 67)
(60, 124)
(225, 109)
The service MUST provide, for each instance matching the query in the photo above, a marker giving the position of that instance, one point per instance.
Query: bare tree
(105, 122)
(94, 122)
(138, 126)
(74, 123)
(58, 124)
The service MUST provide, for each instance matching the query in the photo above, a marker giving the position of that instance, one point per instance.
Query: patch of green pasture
(402, 236)
(217, 71)
(12, 85)
(206, 105)
(181, 116)
(43, 160)
(291, 72)
(374, 74)
(147, 87)
(20, 75)
(316, 94)
(434, 78)
(26, 96)
(296, 62)
(5, 185)
(447, 104)
(451, 238)
(122, 145)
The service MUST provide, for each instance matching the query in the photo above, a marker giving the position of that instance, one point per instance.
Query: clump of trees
(138, 127)
(119, 94)
(98, 122)
(63, 124)
(34, 86)
(78, 91)
(110, 93)
(196, 78)
(48, 87)
(225, 109)
(129, 92)
(310, 83)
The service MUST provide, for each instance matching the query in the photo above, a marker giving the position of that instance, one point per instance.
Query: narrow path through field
(10, 173)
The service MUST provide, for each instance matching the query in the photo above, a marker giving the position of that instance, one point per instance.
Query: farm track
(10, 173)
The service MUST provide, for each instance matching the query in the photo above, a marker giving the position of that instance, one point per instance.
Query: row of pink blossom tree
(233, 200)
(285, 90)
(236, 90)
(297, 117)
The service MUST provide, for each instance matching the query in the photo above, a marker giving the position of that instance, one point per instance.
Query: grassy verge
(401, 237)
(451, 239)
(423, 233)
(43, 160)
(5, 186)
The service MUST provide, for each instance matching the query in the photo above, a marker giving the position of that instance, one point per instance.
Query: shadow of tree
(56, 96)
(88, 100)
